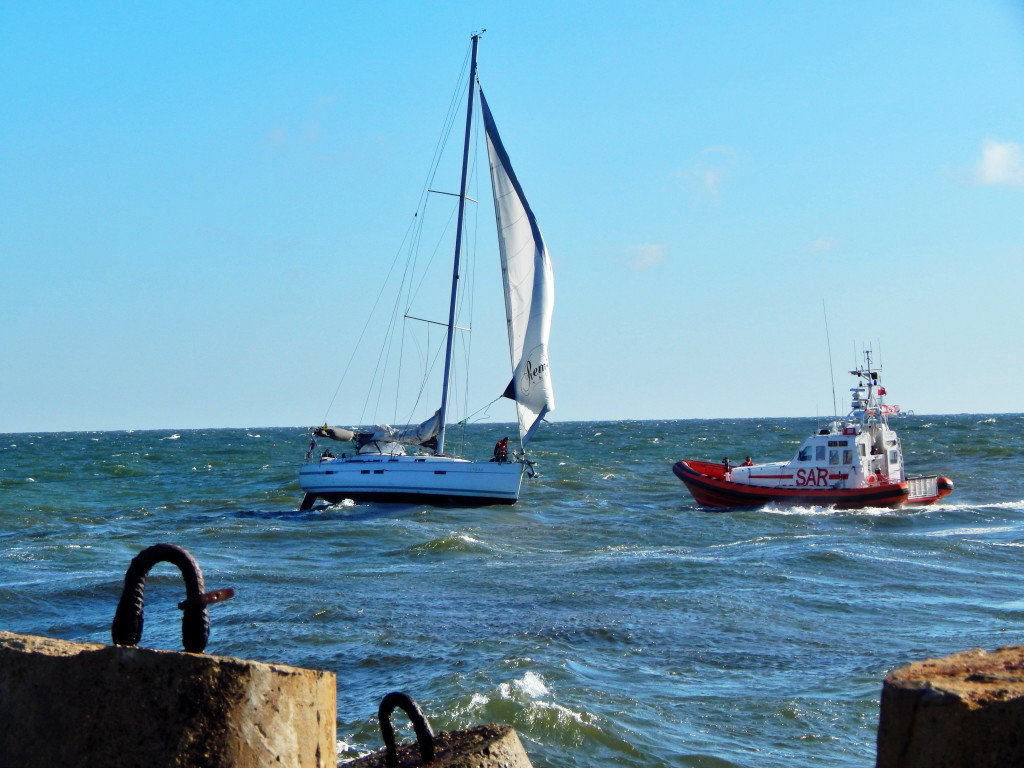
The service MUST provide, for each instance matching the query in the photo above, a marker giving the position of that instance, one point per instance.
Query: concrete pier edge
(66, 703)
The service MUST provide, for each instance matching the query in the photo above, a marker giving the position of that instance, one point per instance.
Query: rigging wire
(366, 324)
(414, 229)
(451, 120)
(473, 251)
(411, 283)
(469, 419)
(410, 246)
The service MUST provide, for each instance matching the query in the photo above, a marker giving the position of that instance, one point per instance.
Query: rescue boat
(855, 462)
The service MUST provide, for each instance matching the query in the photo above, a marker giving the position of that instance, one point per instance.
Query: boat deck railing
(923, 487)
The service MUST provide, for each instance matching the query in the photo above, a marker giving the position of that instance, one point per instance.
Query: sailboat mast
(458, 249)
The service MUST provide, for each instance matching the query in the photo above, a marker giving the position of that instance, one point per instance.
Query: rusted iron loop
(424, 736)
(195, 622)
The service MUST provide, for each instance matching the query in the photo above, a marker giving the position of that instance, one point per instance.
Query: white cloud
(823, 244)
(644, 257)
(711, 179)
(1002, 164)
(711, 169)
(720, 150)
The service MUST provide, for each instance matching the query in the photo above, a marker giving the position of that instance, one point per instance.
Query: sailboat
(410, 464)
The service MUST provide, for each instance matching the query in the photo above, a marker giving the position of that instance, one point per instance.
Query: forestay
(529, 287)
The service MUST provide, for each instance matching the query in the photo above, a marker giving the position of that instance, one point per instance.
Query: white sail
(421, 434)
(529, 287)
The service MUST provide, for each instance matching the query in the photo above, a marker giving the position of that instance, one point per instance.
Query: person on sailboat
(501, 450)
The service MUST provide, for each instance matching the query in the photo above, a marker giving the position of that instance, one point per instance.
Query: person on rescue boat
(747, 463)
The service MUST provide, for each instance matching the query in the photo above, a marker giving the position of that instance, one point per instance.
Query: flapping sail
(334, 433)
(529, 287)
(422, 434)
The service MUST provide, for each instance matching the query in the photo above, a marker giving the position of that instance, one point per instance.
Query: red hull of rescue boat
(710, 488)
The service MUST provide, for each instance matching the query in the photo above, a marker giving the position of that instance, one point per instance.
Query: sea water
(605, 617)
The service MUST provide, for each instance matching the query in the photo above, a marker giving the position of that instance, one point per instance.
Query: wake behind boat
(410, 464)
(856, 462)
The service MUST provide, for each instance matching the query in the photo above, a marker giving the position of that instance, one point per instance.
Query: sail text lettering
(533, 372)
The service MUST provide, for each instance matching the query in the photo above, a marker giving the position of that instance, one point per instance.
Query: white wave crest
(531, 692)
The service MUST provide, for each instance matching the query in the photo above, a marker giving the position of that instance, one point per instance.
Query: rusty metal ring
(424, 736)
(126, 628)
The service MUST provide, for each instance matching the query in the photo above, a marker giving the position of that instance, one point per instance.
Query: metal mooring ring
(424, 736)
(195, 622)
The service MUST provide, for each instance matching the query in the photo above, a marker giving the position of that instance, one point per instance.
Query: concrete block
(962, 710)
(485, 746)
(76, 704)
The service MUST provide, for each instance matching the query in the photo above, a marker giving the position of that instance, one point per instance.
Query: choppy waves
(605, 616)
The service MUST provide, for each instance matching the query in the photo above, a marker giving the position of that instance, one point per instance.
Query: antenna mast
(831, 370)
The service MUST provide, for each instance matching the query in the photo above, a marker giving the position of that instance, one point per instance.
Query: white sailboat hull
(431, 479)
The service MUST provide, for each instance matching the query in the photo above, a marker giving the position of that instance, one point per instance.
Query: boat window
(894, 457)
(863, 449)
(804, 455)
(819, 453)
(833, 457)
(847, 456)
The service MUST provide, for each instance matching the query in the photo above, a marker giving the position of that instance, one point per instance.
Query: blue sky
(198, 201)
